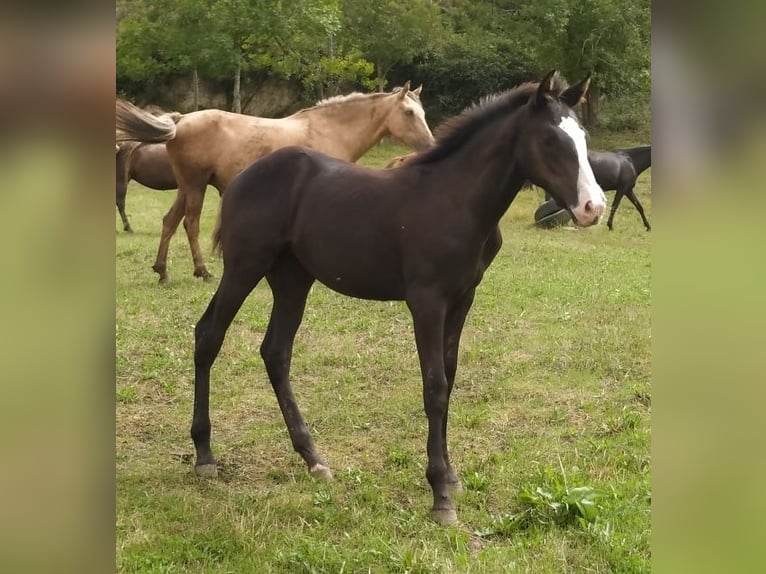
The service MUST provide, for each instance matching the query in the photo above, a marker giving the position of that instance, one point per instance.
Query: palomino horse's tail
(135, 124)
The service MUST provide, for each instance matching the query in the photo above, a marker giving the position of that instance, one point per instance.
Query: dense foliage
(460, 49)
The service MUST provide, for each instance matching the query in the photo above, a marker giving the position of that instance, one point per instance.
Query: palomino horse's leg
(453, 327)
(209, 334)
(428, 314)
(630, 194)
(617, 199)
(169, 225)
(290, 285)
(194, 202)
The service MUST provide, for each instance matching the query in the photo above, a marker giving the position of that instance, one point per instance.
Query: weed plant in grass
(549, 420)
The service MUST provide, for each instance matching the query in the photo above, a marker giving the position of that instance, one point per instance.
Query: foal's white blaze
(591, 201)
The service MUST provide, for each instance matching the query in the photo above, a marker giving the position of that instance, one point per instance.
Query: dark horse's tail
(135, 124)
(641, 157)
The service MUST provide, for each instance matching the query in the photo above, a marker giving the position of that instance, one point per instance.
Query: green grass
(549, 425)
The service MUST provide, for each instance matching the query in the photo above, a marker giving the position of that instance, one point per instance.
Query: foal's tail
(135, 124)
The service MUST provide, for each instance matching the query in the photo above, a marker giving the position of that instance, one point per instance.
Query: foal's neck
(484, 175)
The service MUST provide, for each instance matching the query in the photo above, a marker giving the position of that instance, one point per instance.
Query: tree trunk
(332, 88)
(195, 90)
(381, 78)
(237, 104)
(590, 106)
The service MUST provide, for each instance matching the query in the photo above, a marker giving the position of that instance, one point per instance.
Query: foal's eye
(409, 112)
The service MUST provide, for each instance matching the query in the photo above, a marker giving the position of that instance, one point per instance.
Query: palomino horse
(148, 164)
(424, 233)
(213, 146)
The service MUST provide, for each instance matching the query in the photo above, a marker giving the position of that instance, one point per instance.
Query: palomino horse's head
(406, 119)
(555, 153)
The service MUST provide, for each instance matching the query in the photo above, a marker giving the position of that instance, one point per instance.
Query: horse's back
(225, 143)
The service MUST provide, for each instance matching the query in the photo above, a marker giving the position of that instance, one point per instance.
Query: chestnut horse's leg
(209, 334)
(630, 194)
(169, 225)
(290, 284)
(122, 190)
(428, 314)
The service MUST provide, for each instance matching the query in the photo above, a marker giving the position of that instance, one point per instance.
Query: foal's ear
(576, 94)
(417, 90)
(545, 89)
(403, 92)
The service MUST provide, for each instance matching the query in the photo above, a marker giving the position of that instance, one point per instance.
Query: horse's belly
(364, 290)
(355, 271)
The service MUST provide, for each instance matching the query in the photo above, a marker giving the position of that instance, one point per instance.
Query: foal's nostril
(589, 207)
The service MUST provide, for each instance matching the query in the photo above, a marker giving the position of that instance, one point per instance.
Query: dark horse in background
(618, 170)
(148, 164)
(423, 233)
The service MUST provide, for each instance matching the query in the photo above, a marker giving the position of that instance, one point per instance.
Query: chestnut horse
(423, 233)
(213, 146)
(148, 164)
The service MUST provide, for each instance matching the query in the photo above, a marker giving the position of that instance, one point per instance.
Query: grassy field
(549, 426)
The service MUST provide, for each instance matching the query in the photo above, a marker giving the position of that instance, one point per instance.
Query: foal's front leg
(428, 313)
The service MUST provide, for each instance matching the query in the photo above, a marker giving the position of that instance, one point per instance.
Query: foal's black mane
(454, 132)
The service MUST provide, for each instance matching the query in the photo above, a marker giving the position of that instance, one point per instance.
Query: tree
(391, 32)
(608, 38)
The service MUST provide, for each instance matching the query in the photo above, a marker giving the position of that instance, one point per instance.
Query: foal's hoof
(206, 470)
(444, 516)
(455, 487)
(321, 471)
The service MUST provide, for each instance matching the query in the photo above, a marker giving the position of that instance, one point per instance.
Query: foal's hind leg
(209, 334)
(637, 204)
(290, 284)
(169, 225)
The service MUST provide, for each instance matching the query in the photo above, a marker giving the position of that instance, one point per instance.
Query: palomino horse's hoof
(321, 471)
(203, 273)
(160, 270)
(444, 516)
(206, 470)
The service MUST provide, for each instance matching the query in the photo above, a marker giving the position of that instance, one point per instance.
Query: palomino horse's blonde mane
(346, 98)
